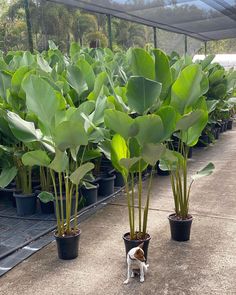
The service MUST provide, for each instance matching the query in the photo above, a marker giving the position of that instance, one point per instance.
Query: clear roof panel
(201, 19)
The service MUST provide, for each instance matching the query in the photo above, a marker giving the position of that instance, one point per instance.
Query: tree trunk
(29, 26)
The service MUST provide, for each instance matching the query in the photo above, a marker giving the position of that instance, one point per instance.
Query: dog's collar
(132, 258)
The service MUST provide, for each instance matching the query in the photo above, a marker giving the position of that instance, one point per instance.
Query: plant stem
(145, 214)
(59, 229)
(140, 197)
(61, 200)
(129, 210)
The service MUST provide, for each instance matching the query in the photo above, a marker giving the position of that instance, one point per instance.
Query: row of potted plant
(64, 114)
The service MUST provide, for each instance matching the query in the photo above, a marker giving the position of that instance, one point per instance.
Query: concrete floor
(204, 265)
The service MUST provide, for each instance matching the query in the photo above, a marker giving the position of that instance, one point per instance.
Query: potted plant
(59, 148)
(192, 113)
(135, 144)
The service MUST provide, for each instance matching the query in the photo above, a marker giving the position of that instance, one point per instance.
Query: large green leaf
(207, 170)
(188, 120)
(142, 64)
(187, 88)
(100, 81)
(17, 78)
(119, 150)
(142, 93)
(7, 175)
(76, 79)
(60, 162)
(80, 172)
(150, 129)
(23, 130)
(191, 136)
(5, 84)
(128, 163)
(46, 197)
(70, 134)
(216, 77)
(88, 73)
(162, 71)
(43, 64)
(40, 99)
(151, 152)
(207, 61)
(168, 117)
(118, 122)
(36, 158)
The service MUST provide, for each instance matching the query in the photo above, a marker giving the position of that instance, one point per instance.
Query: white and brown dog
(136, 260)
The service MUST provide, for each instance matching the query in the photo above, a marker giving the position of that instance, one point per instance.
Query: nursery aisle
(204, 265)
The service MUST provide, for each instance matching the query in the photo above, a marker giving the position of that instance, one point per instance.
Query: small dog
(136, 260)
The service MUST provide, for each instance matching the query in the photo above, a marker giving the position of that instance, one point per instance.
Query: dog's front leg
(128, 274)
(141, 273)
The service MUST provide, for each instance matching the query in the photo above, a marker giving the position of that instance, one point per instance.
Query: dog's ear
(141, 245)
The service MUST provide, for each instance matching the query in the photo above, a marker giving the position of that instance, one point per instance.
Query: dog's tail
(146, 266)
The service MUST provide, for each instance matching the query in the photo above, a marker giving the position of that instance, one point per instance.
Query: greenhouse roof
(202, 19)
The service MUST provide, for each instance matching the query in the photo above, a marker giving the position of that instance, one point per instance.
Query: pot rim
(21, 195)
(142, 240)
(180, 220)
(92, 188)
(110, 177)
(67, 237)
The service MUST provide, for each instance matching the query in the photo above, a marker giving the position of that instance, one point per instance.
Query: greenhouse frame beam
(205, 48)
(155, 37)
(185, 44)
(109, 30)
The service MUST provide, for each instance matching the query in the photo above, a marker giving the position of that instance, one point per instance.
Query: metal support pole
(29, 26)
(185, 44)
(205, 48)
(155, 36)
(109, 30)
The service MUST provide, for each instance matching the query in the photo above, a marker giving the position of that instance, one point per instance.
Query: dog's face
(139, 253)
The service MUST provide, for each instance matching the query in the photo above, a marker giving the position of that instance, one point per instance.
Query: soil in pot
(68, 246)
(129, 244)
(180, 228)
(25, 204)
(90, 195)
(106, 185)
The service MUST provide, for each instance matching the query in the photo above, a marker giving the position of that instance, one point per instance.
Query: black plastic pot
(217, 133)
(90, 195)
(25, 204)
(119, 180)
(106, 185)
(162, 172)
(6, 194)
(225, 125)
(47, 208)
(230, 124)
(180, 229)
(190, 153)
(129, 244)
(203, 141)
(68, 246)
